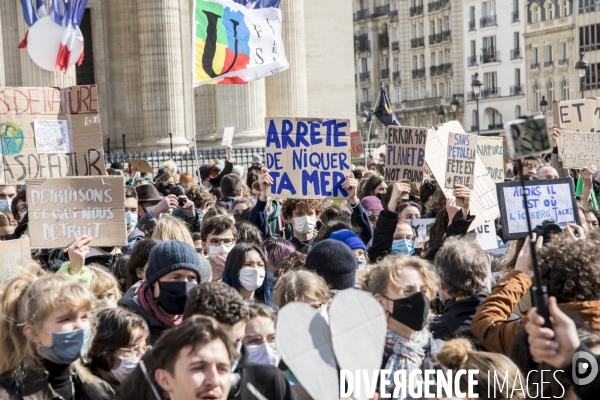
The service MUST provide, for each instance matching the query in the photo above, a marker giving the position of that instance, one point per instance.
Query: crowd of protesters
(187, 308)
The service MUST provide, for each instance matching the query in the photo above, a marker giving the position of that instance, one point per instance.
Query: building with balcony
(494, 48)
(587, 40)
(551, 51)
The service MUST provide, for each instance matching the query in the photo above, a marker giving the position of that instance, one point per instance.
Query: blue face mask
(403, 246)
(132, 220)
(68, 346)
(5, 206)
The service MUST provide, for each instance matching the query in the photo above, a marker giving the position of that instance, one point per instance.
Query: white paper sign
(486, 236)
(421, 225)
(51, 136)
(228, 136)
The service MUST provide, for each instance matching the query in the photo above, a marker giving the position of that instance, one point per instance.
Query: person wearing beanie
(354, 242)
(333, 261)
(373, 207)
(174, 268)
(210, 175)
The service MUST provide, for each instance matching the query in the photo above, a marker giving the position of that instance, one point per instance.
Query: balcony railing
(516, 90)
(394, 15)
(381, 10)
(361, 14)
(433, 6)
(417, 10)
(535, 65)
(473, 128)
(515, 54)
(489, 56)
(433, 71)
(548, 64)
(435, 38)
(487, 21)
(385, 74)
(417, 42)
(493, 127)
(365, 105)
(362, 45)
(365, 76)
(490, 93)
(396, 76)
(446, 37)
(445, 68)
(418, 73)
(564, 61)
(395, 46)
(471, 26)
(515, 16)
(472, 61)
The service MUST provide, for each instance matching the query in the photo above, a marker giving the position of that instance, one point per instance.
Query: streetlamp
(441, 114)
(454, 105)
(476, 86)
(543, 105)
(581, 67)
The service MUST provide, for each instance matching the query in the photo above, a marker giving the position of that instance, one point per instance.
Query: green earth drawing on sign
(12, 138)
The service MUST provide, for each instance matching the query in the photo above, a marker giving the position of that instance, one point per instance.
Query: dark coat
(130, 302)
(456, 319)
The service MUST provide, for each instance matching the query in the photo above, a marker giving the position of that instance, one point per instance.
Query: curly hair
(247, 232)
(571, 269)
(200, 197)
(289, 205)
(427, 189)
(293, 262)
(216, 226)
(336, 211)
(436, 201)
(217, 300)
(333, 226)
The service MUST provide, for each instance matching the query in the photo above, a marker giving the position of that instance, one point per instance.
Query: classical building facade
(138, 53)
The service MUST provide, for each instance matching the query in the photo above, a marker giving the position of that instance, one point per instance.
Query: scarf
(146, 299)
(407, 354)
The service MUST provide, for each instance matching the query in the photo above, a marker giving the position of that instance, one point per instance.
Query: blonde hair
(103, 280)
(380, 277)
(171, 166)
(4, 220)
(30, 299)
(140, 182)
(171, 228)
(300, 286)
(459, 354)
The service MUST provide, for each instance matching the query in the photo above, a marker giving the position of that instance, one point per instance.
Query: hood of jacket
(276, 211)
(588, 311)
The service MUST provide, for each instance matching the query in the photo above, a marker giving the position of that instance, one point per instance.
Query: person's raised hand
(165, 205)
(555, 135)
(452, 209)
(570, 230)
(265, 181)
(229, 149)
(351, 185)
(188, 208)
(463, 193)
(523, 263)
(77, 252)
(587, 176)
(554, 346)
(399, 190)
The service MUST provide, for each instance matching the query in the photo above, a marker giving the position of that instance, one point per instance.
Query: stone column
(205, 104)
(287, 90)
(161, 74)
(9, 34)
(243, 107)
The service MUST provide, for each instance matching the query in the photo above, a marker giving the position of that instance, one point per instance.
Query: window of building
(432, 58)
(424, 120)
(490, 81)
(363, 65)
(472, 14)
(488, 9)
(415, 63)
(397, 95)
(416, 121)
(447, 55)
(489, 44)
(535, 56)
(420, 28)
(474, 119)
(549, 10)
(422, 60)
(365, 95)
(446, 22)
(473, 48)
(516, 38)
(535, 14)
(517, 77)
(434, 90)
(396, 34)
(550, 93)
(364, 31)
(449, 87)
(589, 37)
(496, 118)
(537, 97)
(423, 91)
(516, 6)
(441, 92)
(432, 26)
(397, 63)
(439, 25)
(549, 53)
(517, 112)
(386, 62)
(413, 30)
(563, 51)
(440, 57)
(565, 90)
(564, 7)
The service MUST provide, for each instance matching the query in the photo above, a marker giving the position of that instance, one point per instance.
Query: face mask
(5, 205)
(403, 246)
(126, 368)
(137, 175)
(254, 202)
(169, 186)
(235, 362)
(131, 219)
(68, 346)
(173, 295)
(304, 225)
(412, 311)
(380, 196)
(362, 263)
(263, 354)
(252, 278)
(214, 251)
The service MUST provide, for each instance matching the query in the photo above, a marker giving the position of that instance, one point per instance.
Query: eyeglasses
(22, 207)
(135, 351)
(218, 242)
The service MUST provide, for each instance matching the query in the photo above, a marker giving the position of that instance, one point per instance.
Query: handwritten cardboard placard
(228, 136)
(357, 149)
(21, 107)
(308, 157)
(460, 164)
(491, 151)
(14, 255)
(421, 227)
(484, 201)
(62, 209)
(580, 149)
(140, 165)
(577, 115)
(547, 199)
(405, 153)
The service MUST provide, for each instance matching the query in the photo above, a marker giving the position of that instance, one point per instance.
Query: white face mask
(254, 202)
(362, 263)
(5, 205)
(214, 251)
(252, 278)
(126, 368)
(304, 225)
(264, 354)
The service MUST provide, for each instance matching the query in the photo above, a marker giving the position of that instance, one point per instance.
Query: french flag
(68, 14)
(31, 15)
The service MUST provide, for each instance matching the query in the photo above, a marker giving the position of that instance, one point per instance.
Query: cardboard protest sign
(491, 151)
(43, 149)
(577, 115)
(460, 165)
(484, 202)
(421, 226)
(405, 157)
(228, 136)
(141, 165)
(547, 199)
(357, 149)
(308, 157)
(485, 236)
(14, 254)
(580, 149)
(62, 209)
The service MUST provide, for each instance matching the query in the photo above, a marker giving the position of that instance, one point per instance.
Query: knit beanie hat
(170, 256)
(348, 237)
(334, 262)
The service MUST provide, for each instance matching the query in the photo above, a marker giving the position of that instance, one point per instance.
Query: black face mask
(380, 196)
(173, 296)
(169, 186)
(412, 311)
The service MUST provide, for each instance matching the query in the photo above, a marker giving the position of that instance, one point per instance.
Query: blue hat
(348, 237)
(170, 256)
